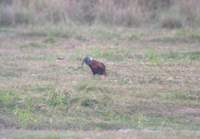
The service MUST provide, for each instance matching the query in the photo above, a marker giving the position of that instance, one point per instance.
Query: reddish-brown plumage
(95, 66)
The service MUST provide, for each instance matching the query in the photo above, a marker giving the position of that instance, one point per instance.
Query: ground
(109, 134)
(152, 87)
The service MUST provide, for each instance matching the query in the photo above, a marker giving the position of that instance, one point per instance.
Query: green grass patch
(25, 117)
(91, 103)
(56, 94)
(35, 45)
(57, 98)
(161, 122)
(153, 57)
(45, 32)
(82, 33)
(49, 96)
(174, 97)
(40, 88)
(50, 40)
(8, 99)
(108, 54)
(8, 32)
(183, 98)
(102, 34)
(188, 34)
(48, 58)
(184, 56)
(93, 86)
(50, 31)
(181, 35)
(102, 52)
(87, 86)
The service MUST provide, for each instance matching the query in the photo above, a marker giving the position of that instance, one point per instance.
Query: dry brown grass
(152, 83)
(153, 75)
(113, 12)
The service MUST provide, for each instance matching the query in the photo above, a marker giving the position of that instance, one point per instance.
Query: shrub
(114, 12)
(6, 15)
(91, 103)
(172, 18)
(171, 23)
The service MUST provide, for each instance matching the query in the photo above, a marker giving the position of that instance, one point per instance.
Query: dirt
(135, 83)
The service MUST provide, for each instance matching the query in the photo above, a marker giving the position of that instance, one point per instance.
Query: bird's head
(87, 60)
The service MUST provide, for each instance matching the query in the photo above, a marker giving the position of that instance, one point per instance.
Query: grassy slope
(21, 134)
(153, 78)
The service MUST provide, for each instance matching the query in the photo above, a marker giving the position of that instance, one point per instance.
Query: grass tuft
(153, 57)
(8, 99)
(25, 117)
(187, 56)
(50, 91)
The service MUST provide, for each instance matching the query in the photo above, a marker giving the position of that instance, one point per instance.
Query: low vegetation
(101, 135)
(153, 70)
(151, 84)
(162, 13)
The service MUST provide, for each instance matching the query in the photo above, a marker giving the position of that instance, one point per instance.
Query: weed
(132, 37)
(40, 89)
(25, 117)
(88, 86)
(8, 99)
(153, 57)
(98, 53)
(57, 98)
(156, 59)
(140, 121)
(34, 45)
(91, 103)
(102, 54)
(109, 54)
(181, 97)
(175, 56)
(171, 23)
(106, 35)
(189, 35)
(195, 36)
(53, 32)
(134, 94)
(50, 40)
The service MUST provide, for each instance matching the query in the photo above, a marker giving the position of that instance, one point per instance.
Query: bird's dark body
(95, 66)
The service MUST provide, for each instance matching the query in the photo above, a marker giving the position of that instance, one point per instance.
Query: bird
(97, 68)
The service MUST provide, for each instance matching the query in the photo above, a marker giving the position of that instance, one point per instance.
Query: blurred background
(128, 13)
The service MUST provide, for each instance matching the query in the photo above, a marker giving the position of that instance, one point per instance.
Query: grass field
(126, 134)
(153, 82)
